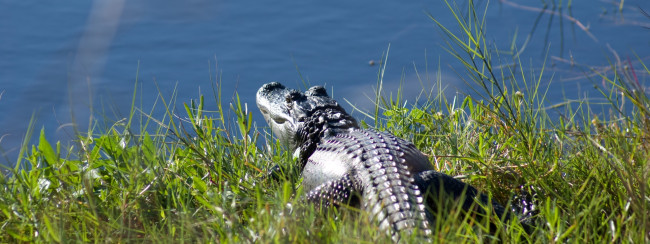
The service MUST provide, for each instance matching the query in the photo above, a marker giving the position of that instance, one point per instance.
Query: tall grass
(192, 175)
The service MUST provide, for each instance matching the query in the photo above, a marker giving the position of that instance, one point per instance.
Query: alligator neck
(322, 123)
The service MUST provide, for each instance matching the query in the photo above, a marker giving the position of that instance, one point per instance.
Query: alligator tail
(391, 195)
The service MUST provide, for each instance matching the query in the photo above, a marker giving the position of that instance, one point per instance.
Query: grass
(193, 175)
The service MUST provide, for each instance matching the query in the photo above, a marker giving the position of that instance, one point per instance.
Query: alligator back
(377, 169)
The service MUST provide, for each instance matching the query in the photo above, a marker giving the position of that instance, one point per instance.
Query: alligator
(376, 171)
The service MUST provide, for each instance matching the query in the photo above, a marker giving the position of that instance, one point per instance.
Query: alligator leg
(433, 182)
(377, 197)
(334, 193)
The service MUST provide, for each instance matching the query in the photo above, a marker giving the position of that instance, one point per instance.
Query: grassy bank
(192, 175)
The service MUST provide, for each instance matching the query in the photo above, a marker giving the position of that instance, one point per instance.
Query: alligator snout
(270, 87)
(270, 95)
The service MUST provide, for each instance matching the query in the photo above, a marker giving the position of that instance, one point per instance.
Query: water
(57, 62)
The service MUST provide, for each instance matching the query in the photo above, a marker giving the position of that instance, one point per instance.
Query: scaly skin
(343, 164)
(378, 167)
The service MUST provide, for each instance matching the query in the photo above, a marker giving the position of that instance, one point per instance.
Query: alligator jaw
(270, 100)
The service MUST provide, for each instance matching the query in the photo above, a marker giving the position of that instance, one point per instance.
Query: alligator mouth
(270, 116)
(270, 101)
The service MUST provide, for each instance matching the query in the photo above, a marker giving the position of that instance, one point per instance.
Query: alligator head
(297, 118)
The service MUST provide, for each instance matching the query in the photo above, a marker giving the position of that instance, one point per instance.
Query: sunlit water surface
(60, 61)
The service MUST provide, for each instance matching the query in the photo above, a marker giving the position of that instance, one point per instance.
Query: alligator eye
(316, 91)
(292, 96)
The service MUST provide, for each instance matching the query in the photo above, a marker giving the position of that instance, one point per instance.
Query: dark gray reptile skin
(376, 165)
(342, 164)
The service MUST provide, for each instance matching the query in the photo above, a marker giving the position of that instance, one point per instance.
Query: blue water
(59, 61)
